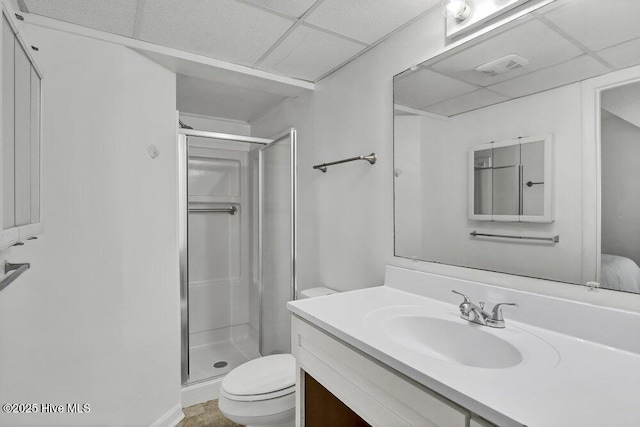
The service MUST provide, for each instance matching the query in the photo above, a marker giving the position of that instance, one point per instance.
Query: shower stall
(237, 249)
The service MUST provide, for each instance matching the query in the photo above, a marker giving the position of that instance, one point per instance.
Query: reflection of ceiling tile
(571, 71)
(294, 8)
(223, 29)
(424, 87)
(623, 55)
(467, 102)
(114, 16)
(599, 23)
(533, 40)
(367, 20)
(213, 99)
(308, 53)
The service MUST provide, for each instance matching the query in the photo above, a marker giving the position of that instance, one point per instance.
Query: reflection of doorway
(619, 187)
(611, 116)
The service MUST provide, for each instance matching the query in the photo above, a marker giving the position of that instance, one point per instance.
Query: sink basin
(431, 334)
(465, 344)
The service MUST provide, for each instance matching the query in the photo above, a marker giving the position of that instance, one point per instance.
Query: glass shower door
(277, 225)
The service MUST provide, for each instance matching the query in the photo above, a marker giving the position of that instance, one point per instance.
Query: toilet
(262, 392)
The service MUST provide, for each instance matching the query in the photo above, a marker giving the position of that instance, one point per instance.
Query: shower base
(216, 357)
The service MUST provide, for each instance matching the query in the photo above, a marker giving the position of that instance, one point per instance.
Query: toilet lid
(261, 376)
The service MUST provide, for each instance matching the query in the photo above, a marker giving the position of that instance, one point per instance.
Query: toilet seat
(261, 392)
(258, 397)
(265, 378)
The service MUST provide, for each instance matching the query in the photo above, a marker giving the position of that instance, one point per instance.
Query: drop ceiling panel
(294, 8)
(114, 16)
(367, 20)
(198, 96)
(467, 102)
(623, 55)
(308, 53)
(533, 40)
(599, 23)
(425, 87)
(222, 29)
(571, 71)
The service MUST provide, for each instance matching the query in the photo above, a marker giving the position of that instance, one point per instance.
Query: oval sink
(430, 333)
(465, 344)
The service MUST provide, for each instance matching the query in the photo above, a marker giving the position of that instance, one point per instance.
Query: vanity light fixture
(457, 9)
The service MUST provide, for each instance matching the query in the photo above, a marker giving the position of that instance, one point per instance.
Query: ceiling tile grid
(367, 20)
(270, 35)
(571, 71)
(425, 87)
(293, 8)
(308, 53)
(467, 102)
(114, 16)
(622, 55)
(533, 40)
(222, 29)
(588, 29)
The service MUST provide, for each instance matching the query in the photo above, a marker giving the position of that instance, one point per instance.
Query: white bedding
(619, 273)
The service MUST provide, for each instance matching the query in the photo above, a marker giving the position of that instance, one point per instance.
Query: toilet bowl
(262, 392)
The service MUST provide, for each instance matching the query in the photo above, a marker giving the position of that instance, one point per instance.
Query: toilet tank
(316, 292)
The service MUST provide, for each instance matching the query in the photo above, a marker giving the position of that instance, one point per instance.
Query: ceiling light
(456, 9)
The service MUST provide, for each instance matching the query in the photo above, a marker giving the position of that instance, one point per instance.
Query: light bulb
(458, 9)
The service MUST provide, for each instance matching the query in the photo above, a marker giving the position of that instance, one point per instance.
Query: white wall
(620, 180)
(95, 320)
(445, 223)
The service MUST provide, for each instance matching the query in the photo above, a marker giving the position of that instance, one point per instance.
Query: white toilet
(261, 392)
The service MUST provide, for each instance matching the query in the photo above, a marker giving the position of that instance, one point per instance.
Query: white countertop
(586, 383)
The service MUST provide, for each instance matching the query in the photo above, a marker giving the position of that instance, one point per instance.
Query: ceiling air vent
(503, 65)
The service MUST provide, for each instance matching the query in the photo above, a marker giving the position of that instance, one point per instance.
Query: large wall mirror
(525, 81)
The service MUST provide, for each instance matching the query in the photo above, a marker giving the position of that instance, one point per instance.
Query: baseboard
(200, 392)
(171, 418)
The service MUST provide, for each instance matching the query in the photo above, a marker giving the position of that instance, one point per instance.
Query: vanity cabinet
(20, 198)
(377, 394)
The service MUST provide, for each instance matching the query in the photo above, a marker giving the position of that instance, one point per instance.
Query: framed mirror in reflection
(462, 201)
(512, 180)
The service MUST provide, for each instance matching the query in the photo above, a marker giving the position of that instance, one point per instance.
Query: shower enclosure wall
(237, 218)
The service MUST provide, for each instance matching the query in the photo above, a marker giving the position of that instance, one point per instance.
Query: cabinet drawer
(381, 396)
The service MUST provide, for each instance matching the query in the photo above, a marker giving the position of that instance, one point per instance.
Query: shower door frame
(293, 136)
(183, 223)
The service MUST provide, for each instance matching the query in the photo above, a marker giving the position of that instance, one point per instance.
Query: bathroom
(97, 319)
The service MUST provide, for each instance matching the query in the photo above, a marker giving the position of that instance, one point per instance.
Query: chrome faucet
(476, 314)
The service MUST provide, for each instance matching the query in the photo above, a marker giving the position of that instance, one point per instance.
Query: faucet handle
(466, 298)
(496, 313)
(465, 306)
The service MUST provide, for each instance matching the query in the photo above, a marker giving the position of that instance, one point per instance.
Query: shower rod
(231, 210)
(371, 158)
